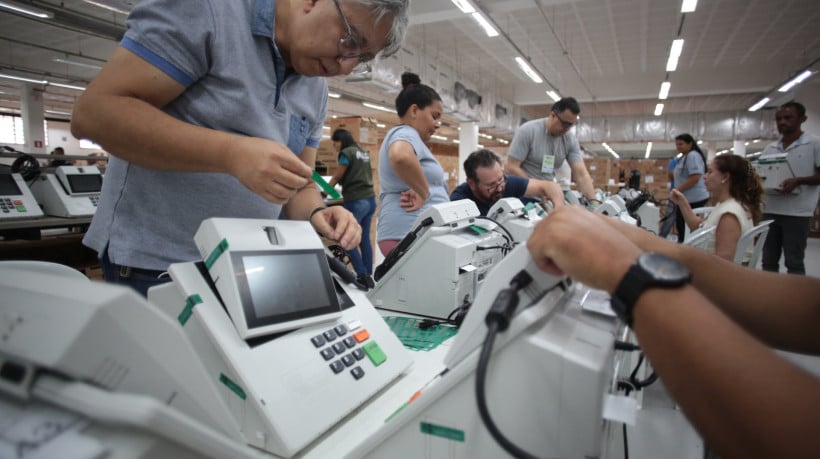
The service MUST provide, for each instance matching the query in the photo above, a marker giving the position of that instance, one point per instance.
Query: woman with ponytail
(689, 177)
(411, 179)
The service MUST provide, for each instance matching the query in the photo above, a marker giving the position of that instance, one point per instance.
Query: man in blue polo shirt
(215, 109)
(486, 183)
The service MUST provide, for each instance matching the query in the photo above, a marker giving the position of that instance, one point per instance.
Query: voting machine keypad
(340, 343)
(12, 205)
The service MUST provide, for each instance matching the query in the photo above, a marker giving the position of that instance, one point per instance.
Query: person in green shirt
(355, 175)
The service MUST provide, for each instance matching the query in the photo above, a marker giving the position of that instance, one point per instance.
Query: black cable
(626, 445)
(508, 235)
(625, 346)
(498, 319)
(484, 412)
(400, 249)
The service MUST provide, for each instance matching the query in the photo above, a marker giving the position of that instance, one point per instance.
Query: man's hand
(269, 169)
(338, 224)
(410, 200)
(789, 185)
(581, 244)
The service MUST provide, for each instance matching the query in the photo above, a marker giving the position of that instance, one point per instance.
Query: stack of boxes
(606, 174)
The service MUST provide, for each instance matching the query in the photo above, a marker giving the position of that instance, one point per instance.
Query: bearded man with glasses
(214, 108)
(540, 147)
(486, 184)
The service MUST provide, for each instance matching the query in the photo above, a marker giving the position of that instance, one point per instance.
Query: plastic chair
(701, 237)
(702, 212)
(754, 237)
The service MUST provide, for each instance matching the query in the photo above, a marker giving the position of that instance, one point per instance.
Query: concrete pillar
(710, 148)
(739, 147)
(31, 111)
(468, 143)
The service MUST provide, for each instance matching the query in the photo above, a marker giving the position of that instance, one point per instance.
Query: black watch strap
(650, 270)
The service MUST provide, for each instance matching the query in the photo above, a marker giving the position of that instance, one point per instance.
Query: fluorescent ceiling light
(77, 64)
(325, 127)
(688, 6)
(26, 9)
(525, 67)
(658, 109)
(106, 5)
(485, 24)
(674, 53)
(438, 137)
(554, 95)
(55, 112)
(456, 141)
(648, 150)
(377, 107)
(795, 81)
(67, 86)
(27, 80)
(677, 47)
(381, 125)
(610, 150)
(464, 6)
(664, 93)
(334, 95)
(759, 104)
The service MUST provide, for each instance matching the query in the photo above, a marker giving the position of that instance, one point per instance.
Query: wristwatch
(650, 270)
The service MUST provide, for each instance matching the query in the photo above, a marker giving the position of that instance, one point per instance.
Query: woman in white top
(736, 191)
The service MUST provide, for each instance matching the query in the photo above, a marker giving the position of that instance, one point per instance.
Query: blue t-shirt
(692, 164)
(671, 168)
(394, 221)
(515, 188)
(234, 76)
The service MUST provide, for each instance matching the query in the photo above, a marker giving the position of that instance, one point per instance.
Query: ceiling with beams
(609, 54)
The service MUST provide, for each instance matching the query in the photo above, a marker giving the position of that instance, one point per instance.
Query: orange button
(361, 335)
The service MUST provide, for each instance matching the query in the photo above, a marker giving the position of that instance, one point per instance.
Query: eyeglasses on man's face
(496, 185)
(565, 124)
(349, 47)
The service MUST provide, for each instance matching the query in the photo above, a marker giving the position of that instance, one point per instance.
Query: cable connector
(506, 301)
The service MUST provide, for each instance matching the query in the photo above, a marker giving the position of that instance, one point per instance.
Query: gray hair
(398, 10)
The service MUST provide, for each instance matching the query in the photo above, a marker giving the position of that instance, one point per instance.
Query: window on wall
(11, 130)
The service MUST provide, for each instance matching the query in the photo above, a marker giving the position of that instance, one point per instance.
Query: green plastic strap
(477, 229)
(219, 250)
(326, 186)
(188, 310)
(234, 387)
(529, 206)
(441, 431)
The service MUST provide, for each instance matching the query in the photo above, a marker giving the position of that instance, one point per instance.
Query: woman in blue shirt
(689, 177)
(411, 178)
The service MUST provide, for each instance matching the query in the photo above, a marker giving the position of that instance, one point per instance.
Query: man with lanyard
(540, 147)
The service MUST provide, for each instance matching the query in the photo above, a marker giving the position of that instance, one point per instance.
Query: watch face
(663, 268)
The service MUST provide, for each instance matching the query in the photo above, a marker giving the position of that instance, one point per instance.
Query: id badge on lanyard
(548, 164)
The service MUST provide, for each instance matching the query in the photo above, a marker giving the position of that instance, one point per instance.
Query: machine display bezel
(325, 293)
(84, 183)
(8, 186)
